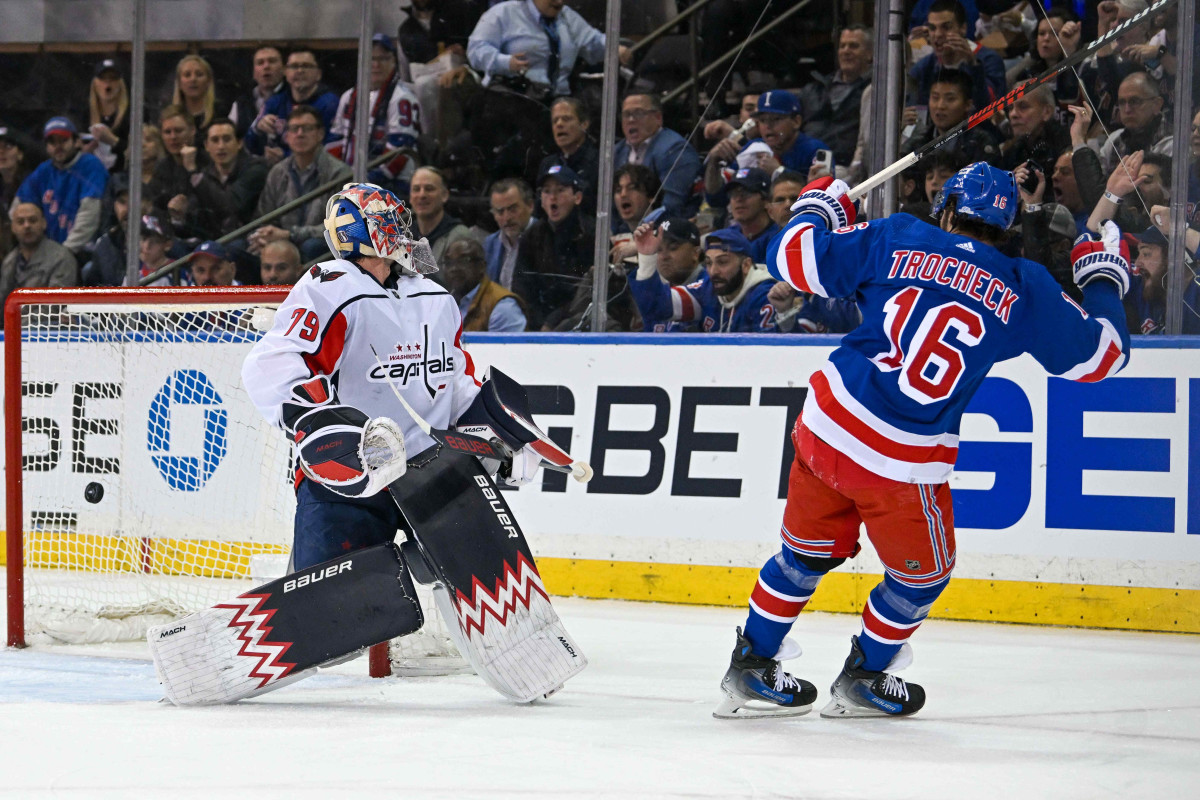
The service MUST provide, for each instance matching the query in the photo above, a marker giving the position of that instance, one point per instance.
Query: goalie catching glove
(1101, 256)
(338, 446)
(827, 198)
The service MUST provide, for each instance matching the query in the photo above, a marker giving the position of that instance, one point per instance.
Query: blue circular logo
(187, 473)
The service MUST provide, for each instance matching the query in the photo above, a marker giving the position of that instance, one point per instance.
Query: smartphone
(824, 159)
(1031, 181)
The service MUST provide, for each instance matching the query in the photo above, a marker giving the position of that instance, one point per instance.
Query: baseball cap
(561, 173)
(679, 229)
(59, 126)
(384, 41)
(212, 249)
(730, 240)
(156, 226)
(1151, 236)
(8, 135)
(778, 101)
(107, 65)
(752, 179)
(1062, 221)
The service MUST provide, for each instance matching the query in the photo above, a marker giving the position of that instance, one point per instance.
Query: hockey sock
(783, 589)
(893, 613)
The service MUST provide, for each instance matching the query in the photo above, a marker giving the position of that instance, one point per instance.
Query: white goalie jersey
(328, 325)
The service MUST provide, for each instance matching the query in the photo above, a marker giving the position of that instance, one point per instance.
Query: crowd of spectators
(492, 120)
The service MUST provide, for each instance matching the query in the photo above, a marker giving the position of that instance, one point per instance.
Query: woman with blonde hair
(195, 92)
(153, 151)
(108, 107)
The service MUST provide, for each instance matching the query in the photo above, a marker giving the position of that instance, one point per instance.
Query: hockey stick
(981, 116)
(474, 445)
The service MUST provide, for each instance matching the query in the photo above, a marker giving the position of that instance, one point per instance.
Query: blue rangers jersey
(663, 307)
(938, 311)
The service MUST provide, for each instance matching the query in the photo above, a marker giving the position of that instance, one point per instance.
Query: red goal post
(53, 309)
(106, 543)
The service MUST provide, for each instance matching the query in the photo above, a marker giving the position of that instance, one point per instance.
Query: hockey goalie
(364, 369)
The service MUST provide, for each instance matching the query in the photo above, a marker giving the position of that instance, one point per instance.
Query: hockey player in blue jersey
(730, 295)
(878, 435)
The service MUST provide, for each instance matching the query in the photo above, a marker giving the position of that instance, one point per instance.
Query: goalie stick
(1017, 93)
(553, 457)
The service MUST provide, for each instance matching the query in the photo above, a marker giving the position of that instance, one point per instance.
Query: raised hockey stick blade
(284, 630)
(1017, 93)
(477, 446)
(496, 609)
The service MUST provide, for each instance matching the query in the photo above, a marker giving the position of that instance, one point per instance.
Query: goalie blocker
(284, 630)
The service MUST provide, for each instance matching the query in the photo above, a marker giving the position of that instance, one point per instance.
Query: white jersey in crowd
(327, 325)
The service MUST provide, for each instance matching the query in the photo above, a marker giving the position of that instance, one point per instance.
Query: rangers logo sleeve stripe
(683, 305)
(796, 261)
(1107, 359)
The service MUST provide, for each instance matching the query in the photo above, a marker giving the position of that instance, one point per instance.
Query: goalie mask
(368, 220)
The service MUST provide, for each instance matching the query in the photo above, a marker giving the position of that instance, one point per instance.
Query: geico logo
(172, 632)
(469, 445)
(497, 505)
(405, 370)
(313, 577)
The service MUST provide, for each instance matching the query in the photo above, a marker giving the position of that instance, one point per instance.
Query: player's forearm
(1105, 209)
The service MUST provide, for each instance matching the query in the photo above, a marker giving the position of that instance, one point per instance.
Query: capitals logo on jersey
(324, 275)
(410, 359)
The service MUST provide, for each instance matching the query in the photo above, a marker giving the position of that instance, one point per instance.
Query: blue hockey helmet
(365, 219)
(983, 192)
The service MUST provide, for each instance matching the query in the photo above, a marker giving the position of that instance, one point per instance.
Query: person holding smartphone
(779, 120)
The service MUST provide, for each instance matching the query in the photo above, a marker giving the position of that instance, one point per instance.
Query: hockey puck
(93, 492)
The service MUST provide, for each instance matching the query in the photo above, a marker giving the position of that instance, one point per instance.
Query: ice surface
(1013, 712)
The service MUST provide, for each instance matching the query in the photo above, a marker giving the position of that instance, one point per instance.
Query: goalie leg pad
(282, 631)
(495, 606)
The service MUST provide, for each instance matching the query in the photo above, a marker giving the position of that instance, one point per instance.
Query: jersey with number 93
(939, 309)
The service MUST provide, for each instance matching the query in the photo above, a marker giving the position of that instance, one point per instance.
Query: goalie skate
(758, 687)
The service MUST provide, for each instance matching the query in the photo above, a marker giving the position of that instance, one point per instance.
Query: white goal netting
(152, 487)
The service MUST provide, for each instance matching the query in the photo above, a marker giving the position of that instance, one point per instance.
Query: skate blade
(733, 708)
(838, 708)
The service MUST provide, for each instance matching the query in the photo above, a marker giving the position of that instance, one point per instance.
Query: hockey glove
(827, 198)
(306, 396)
(338, 446)
(1103, 256)
(523, 469)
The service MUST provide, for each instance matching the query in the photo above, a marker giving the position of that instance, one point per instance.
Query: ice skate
(758, 687)
(859, 692)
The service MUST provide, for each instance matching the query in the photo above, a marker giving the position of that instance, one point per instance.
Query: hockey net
(141, 484)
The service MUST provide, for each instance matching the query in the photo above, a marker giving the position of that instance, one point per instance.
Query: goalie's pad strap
(281, 631)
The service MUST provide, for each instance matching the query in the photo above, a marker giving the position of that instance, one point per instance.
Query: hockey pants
(829, 498)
